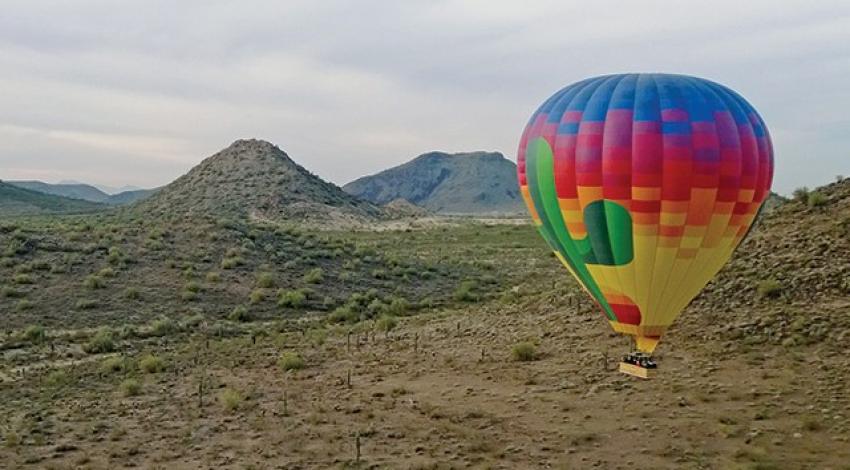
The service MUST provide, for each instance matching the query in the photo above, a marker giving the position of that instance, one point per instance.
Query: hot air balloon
(643, 185)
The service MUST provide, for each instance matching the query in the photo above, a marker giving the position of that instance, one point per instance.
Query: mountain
(253, 178)
(85, 192)
(70, 190)
(15, 200)
(461, 183)
(129, 197)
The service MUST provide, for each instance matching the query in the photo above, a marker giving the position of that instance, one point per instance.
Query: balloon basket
(638, 364)
(637, 371)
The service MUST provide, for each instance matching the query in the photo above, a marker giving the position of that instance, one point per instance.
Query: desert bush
(116, 364)
(132, 293)
(291, 298)
(35, 334)
(189, 296)
(106, 272)
(344, 314)
(22, 279)
(57, 378)
(163, 327)
(386, 323)
(24, 305)
(291, 361)
(466, 291)
(769, 289)
(524, 352)
(94, 281)
(315, 276)
(231, 263)
(265, 280)
(816, 199)
(151, 364)
(86, 304)
(801, 194)
(240, 314)
(380, 273)
(230, 399)
(102, 342)
(398, 306)
(257, 296)
(10, 293)
(192, 286)
(130, 388)
(115, 256)
(213, 276)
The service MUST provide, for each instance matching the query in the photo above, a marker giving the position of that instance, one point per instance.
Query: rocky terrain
(461, 183)
(255, 179)
(238, 339)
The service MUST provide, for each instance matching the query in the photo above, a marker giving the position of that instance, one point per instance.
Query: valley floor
(441, 391)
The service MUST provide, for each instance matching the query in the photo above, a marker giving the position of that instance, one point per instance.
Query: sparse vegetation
(291, 298)
(524, 352)
(315, 276)
(151, 364)
(291, 361)
(102, 342)
(131, 388)
(769, 289)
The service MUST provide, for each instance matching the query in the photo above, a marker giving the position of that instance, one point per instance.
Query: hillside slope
(81, 191)
(253, 178)
(15, 200)
(462, 183)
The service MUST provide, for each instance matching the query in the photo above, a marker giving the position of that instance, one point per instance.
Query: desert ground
(494, 359)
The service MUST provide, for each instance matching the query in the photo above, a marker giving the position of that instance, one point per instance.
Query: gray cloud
(138, 92)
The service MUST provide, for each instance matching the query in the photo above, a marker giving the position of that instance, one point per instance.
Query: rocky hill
(19, 201)
(255, 179)
(461, 183)
(84, 192)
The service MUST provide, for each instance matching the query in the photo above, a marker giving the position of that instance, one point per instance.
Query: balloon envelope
(643, 185)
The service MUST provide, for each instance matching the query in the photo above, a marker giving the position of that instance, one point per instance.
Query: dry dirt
(442, 391)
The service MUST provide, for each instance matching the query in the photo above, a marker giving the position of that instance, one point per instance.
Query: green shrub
(102, 342)
(230, 399)
(239, 314)
(466, 292)
(107, 272)
(231, 263)
(115, 256)
(769, 289)
(265, 280)
(398, 306)
(816, 199)
(192, 286)
(10, 293)
(132, 293)
(35, 334)
(213, 276)
(131, 388)
(344, 314)
(57, 378)
(257, 296)
(151, 364)
(163, 327)
(22, 279)
(386, 323)
(291, 361)
(24, 305)
(315, 276)
(291, 298)
(116, 364)
(524, 352)
(801, 195)
(94, 281)
(86, 304)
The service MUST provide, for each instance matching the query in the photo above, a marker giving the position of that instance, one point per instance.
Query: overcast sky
(137, 92)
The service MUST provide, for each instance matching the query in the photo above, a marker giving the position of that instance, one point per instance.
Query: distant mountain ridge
(84, 192)
(255, 179)
(15, 200)
(460, 183)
